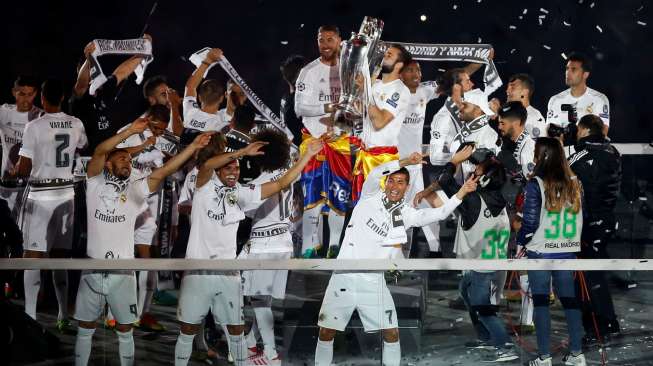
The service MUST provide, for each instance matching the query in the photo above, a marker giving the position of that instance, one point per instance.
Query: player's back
(50, 142)
(276, 210)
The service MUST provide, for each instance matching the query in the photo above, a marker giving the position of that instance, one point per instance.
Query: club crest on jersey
(487, 213)
(536, 132)
(232, 198)
(301, 87)
(436, 135)
(590, 109)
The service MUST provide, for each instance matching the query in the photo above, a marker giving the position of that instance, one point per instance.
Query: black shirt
(289, 117)
(96, 113)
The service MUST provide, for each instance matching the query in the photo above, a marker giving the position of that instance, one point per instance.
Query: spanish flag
(367, 160)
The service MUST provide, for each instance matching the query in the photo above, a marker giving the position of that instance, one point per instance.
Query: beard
(386, 69)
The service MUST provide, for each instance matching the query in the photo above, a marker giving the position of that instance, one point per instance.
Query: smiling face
(411, 75)
(229, 174)
(396, 186)
(328, 43)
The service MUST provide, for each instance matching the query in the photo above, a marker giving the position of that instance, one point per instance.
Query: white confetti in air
(640, 8)
(479, 40)
(580, 1)
(458, 320)
(284, 42)
(528, 60)
(599, 29)
(591, 5)
(641, 23)
(479, 1)
(525, 11)
(513, 51)
(566, 24)
(544, 11)
(422, 17)
(455, 7)
(512, 27)
(563, 55)
(540, 20)
(521, 17)
(301, 25)
(547, 47)
(542, 16)
(442, 70)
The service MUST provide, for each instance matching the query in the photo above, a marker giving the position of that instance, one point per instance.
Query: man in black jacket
(598, 166)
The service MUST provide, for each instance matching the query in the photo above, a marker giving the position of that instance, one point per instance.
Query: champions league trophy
(363, 48)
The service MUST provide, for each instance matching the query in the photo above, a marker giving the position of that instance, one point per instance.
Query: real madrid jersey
(12, 125)
(563, 104)
(197, 119)
(393, 97)
(410, 135)
(317, 84)
(535, 123)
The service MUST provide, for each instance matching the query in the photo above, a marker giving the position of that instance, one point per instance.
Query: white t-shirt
(369, 233)
(393, 97)
(410, 136)
(111, 211)
(197, 119)
(217, 211)
(317, 84)
(525, 153)
(188, 189)
(272, 218)
(50, 142)
(592, 102)
(12, 125)
(535, 123)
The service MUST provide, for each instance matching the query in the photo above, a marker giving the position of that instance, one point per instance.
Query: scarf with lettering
(397, 233)
(119, 184)
(198, 57)
(138, 46)
(228, 198)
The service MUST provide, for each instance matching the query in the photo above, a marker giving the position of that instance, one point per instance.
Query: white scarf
(138, 46)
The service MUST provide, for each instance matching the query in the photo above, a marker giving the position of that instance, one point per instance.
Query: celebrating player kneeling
(376, 231)
(113, 203)
(219, 204)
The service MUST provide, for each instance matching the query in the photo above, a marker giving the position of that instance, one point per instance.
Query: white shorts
(46, 220)
(118, 289)
(219, 292)
(265, 282)
(365, 292)
(14, 198)
(145, 228)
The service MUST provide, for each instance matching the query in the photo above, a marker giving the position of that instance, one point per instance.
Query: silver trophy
(361, 47)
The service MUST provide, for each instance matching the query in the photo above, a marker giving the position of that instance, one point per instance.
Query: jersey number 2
(62, 157)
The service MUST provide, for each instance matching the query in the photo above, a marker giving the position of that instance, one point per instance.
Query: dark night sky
(46, 39)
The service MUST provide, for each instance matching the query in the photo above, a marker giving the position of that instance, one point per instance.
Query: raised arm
(270, 188)
(125, 69)
(84, 75)
(177, 161)
(196, 77)
(372, 183)
(96, 164)
(205, 171)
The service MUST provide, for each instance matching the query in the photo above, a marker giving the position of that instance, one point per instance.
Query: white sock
(32, 280)
(265, 320)
(126, 347)
(323, 353)
(250, 338)
(60, 280)
(310, 224)
(226, 336)
(238, 349)
(83, 345)
(526, 301)
(336, 222)
(199, 342)
(391, 353)
(183, 349)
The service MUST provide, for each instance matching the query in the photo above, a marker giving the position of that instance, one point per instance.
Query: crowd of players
(518, 183)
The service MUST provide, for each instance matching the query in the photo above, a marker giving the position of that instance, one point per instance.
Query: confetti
(547, 47)
(422, 17)
(528, 60)
(521, 17)
(563, 55)
(455, 7)
(580, 1)
(641, 23)
(599, 29)
(479, 1)
(542, 16)
(513, 51)
(566, 24)
(640, 8)
(525, 11)
(544, 11)
(591, 5)
(479, 40)
(540, 20)
(442, 70)
(512, 27)
(301, 25)
(284, 42)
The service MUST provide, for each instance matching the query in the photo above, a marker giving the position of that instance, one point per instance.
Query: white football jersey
(393, 97)
(443, 131)
(111, 210)
(12, 125)
(410, 136)
(147, 160)
(481, 134)
(535, 123)
(188, 189)
(50, 142)
(217, 211)
(525, 153)
(317, 84)
(197, 119)
(592, 102)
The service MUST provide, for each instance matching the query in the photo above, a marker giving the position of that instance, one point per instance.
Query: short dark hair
(403, 171)
(514, 109)
(404, 55)
(52, 91)
(592, 122)
(447, 80)
(210, 91)
(159, 113)
(152, 83)
(26, 80)
(493, 170)
(585, 62)
(291, 66)
(276, 153)
(526, 80)
(216, 146)
(329, 28)
(244, 117)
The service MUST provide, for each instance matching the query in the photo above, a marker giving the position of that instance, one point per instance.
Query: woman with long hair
(551, 229)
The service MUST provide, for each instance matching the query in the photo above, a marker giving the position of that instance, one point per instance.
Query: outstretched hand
(202, 140)
(139, 125)
(254, 148)
(214, 55)
(314, 147)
